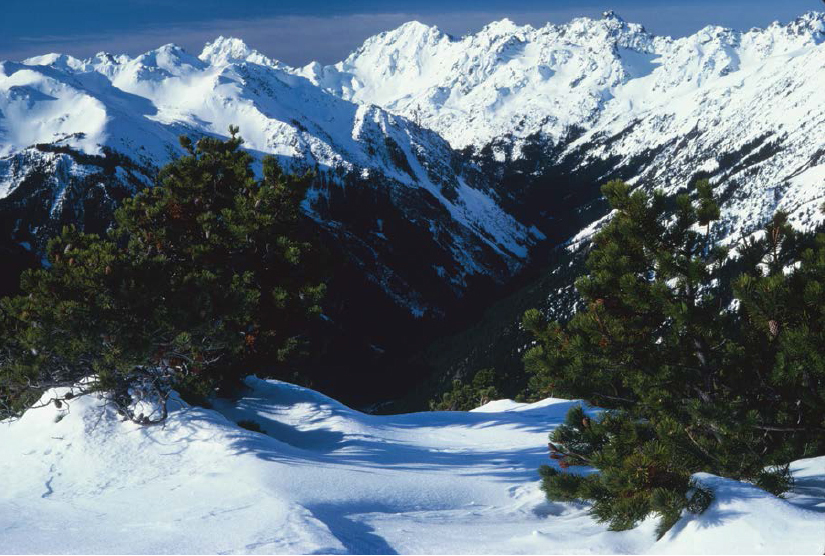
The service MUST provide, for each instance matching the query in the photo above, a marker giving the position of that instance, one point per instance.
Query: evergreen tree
(466, 396)
(650, 330)
(638, 473)
(203, 279)
(695, 384)
(782, 305)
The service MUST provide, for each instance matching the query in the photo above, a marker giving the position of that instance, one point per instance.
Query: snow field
(328, 479)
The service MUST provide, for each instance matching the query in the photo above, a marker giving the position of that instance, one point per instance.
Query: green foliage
(695, 382)
(464, 397)
(642, 469)
(650, 320)
(776, 479)
(203, 278)
(782, 308)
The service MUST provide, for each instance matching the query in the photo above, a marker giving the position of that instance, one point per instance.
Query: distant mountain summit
(604, 97)
(516, 80)
(505, 79)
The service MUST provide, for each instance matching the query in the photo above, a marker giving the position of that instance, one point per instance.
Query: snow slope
(328, 479)
(505, 79)
(603, 97)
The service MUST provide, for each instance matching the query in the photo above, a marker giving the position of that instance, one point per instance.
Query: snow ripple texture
(322, 478)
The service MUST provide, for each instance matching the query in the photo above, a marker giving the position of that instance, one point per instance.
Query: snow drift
(323, 478)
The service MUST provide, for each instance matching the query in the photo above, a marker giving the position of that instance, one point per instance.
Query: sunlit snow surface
(328, 479)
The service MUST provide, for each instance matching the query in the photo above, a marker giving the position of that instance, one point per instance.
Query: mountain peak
(412, 29)
(810, 23)
(169, 57)
(504, 26)
(226, 50)
(610, 14)
(60, 61)
(415, 26)
(411, 37)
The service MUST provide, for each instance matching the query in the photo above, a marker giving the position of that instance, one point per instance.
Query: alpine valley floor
(328, 479)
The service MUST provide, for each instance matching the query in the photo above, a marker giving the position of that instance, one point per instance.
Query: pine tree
(203, 279)
(466, 396)
(638, 473)
(650, 329)
(782, 305)
(695, 383)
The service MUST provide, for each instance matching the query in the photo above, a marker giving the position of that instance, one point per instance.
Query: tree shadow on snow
(369, 454)
(356, 536)
(308, 424)
(809, 493)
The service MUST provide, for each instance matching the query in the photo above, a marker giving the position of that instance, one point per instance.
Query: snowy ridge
(137, 107)
(505, 79)
(516, 80)
(745, 113)
(744, 108)
(323, 478)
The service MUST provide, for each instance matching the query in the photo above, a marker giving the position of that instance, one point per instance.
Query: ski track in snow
(328, 479)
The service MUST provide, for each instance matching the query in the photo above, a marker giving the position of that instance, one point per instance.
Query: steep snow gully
(323, 478)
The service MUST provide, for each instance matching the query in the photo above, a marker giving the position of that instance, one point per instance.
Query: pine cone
(773, 327)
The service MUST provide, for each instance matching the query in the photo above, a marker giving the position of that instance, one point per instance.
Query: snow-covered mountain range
(441, 159)
(744, 107)
(71, 128)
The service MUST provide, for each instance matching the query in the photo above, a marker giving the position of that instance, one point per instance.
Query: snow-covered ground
(328, 479)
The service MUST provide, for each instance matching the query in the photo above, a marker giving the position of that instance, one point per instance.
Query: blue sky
(298, 31)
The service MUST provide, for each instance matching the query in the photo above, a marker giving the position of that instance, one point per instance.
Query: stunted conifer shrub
(701, 369)
(204, 278)
(466, 396)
